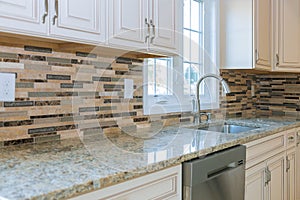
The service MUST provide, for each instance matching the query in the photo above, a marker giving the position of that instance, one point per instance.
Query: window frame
(180, 102)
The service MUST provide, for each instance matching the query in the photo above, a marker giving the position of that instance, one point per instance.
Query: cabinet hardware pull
(265, 177)
(288, 164)
(277, 59)
(56, 12)
(267, 174)
(153, 31)
(291, 138)
(148, 30)
(256, 55)
(46, 12)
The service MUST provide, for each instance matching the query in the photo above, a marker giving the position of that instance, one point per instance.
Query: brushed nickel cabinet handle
(288, 164)
(148, 30)
(267, 176)
(256, 55)
(46, 11)
(153, 31)
(56, 12)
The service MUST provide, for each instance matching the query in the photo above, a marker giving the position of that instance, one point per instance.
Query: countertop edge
(124, 176)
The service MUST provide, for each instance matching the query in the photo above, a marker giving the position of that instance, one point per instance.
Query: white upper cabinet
(288, 35)
(153, 25)
(24, 16)
(263, 36)
(82, 20)
(246, 34)
(74, 20)
(163, 25)
(127, 23)
(134, 25)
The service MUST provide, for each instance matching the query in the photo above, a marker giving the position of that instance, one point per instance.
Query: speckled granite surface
(59, 170)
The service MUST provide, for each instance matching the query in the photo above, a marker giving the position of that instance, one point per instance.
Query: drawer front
(291, 138)
(161, 189)
(298, 137)
(165, 184)
(264, 148)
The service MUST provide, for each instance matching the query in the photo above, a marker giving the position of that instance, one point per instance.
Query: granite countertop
(59, 170)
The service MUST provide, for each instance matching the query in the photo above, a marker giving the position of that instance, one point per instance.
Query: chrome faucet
(226, 90)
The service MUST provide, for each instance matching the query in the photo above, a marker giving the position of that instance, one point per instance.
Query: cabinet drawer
(291, 138)
(165, 184)
(259, 150)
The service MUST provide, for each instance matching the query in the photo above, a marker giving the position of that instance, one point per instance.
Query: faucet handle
(194, 104)
(208, 116)
(205, 117)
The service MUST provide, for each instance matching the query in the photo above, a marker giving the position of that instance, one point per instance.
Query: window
(159, 76)
(171, 82)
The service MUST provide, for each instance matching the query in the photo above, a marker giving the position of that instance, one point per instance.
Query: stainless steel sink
(227, 128)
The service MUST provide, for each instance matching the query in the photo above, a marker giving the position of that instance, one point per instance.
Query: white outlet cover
(128, 88)
(7, 86)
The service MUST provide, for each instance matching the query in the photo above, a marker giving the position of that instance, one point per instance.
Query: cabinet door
(288, 35)
(23, 16)
(291, 174)
(275, 189)
(298, 167)
(79, 20)
(165, 24)
(254, 186)
(236, 34)
(263, 33)
(128, 23)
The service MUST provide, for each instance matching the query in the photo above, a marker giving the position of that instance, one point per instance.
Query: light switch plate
(128, 88)
(7, 86)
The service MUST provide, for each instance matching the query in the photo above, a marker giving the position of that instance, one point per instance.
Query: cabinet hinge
(277, 59)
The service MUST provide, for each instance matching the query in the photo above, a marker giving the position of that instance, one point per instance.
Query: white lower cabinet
(254, 186)
(266, 180)
(298, 166)
(275, 182)
(274, 177)
(165, 184)
(291, 174)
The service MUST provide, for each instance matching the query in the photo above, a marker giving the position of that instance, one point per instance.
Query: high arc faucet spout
(223, 82)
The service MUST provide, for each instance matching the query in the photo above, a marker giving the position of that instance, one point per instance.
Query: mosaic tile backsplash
(61, 95)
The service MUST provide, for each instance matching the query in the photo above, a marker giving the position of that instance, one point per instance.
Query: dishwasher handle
(222, 170)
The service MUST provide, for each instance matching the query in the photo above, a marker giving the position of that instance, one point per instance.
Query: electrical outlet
(7, 86)
(128, 88)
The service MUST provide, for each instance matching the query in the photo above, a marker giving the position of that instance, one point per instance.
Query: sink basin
(227, 128)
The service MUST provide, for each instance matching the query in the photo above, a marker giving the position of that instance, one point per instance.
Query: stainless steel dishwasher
(218, 176)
